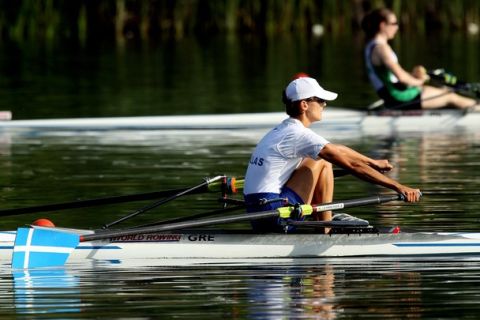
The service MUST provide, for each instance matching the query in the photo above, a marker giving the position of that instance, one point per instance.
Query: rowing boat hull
(421, 121)
(334, 119)
(213, 245)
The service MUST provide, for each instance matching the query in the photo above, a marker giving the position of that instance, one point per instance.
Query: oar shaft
(112, 200)
(180, 225)
(235, 218)
(356, 202)
(92, 202)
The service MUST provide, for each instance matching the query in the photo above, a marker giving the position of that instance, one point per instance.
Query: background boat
(334, 119)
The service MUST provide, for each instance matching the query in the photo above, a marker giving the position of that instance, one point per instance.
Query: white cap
(304, 88)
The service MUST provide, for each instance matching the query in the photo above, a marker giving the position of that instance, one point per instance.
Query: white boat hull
(333, 119)
(211, 245)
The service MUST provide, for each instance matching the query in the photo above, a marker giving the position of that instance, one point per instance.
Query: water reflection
(255, 289)
(295, 292)
(5, 144)
(45, 291)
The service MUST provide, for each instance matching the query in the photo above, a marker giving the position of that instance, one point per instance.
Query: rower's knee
(316, 164)
(324, 167)
(326, 164)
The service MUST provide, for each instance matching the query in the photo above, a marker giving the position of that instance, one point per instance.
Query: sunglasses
(318, 100)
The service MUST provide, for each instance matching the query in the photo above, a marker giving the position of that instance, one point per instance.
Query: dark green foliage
(129, 19)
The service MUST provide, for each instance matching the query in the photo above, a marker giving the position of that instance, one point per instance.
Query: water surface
(304, 289)
(50, 167)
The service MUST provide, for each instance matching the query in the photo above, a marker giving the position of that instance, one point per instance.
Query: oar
(232, 185)
(451, 81)
(40, 246)
(213, 186)
(283, 212)
(239, 204)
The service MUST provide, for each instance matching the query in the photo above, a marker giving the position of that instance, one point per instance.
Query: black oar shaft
(92, 202)
(357, 202)
(180, 225)
(230, 219)
(107, 200)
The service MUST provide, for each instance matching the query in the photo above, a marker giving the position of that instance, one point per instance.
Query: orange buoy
(396, 230)
(42, 222)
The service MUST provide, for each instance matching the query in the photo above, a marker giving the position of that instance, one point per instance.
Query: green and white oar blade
(42, 247)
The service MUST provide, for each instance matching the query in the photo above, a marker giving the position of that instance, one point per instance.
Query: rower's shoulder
(382, 48)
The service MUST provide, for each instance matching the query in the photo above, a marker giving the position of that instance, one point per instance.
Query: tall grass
(125, 19)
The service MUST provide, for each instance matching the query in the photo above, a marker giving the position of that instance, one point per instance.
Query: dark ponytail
(371, 21)
(291, 107)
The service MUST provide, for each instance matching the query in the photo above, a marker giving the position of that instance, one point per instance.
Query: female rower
(398, 88)
(293, 162)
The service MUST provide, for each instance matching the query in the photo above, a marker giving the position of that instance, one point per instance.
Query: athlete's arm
(366, 169)
(384, 53)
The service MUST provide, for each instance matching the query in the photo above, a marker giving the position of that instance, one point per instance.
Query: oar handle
(450, 80)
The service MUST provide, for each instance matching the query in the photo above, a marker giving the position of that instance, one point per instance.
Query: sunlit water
(317, 288)
(50, 167)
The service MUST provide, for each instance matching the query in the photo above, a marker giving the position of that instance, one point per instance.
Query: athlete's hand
(420, 72)
(410, 194)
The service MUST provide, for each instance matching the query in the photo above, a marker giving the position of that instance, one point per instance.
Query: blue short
(274, 224)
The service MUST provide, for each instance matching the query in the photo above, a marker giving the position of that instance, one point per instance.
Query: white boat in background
(421, 121)
(333, 119)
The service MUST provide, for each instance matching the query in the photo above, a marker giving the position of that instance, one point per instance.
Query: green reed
(126, 19)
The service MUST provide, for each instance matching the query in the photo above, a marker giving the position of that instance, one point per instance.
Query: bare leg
(313, 182)
(433, 97)
(324, 190)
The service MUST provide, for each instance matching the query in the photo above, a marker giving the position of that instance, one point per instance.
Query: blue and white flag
(42, 247)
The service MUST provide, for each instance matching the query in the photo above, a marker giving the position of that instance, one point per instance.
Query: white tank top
(278, 154)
